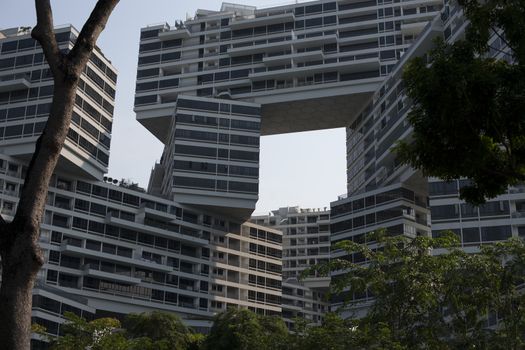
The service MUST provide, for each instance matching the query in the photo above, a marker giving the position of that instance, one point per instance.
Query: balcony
(177, 33)
(320, 39)
(343, 66)
(8, 211)
(14, 82)
(75, 250)
(296, 57)
(123, 278)
(259, 21)
(412, 28)
(183, 235)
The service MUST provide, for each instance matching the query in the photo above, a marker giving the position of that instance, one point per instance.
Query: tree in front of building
(159, 331)
(99, 334)
(429, 293)
(468, 110)
(146, 331)
(241, 329)
(20, 255)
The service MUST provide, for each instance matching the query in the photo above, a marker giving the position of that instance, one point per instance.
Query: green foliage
(99, 334)
(146, 331)
(241, 329)
(437, 301)
(333, 334)
(275, 335)
(469, 110)
(157, 331)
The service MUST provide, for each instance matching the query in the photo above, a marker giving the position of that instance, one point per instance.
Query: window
(495, 233)
(93, 245)
(98, 209)
(471, 235)
(247, 187)
(149, 34)
(81, 205)
(97, 227)
(440, 212)
(314, 22)
(79, 223)
(313, 9)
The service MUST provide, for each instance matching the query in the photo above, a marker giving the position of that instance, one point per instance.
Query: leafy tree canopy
(429, 293)
(99, 334)
(241, 329)
(145, 331)
(469, 109)
(157, 331)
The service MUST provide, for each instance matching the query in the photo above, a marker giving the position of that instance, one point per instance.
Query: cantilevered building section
(26, 91)
(306, 242)
(211, 158)
(113, 249)
(304, 67)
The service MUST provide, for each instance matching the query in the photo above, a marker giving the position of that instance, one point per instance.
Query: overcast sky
(305, 169)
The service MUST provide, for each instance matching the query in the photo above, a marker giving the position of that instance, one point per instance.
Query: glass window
(471, 235)
(9, 46)
(440, 212)
(495, 233)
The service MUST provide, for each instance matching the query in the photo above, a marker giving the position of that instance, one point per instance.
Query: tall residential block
(252, 72)
(306, 242)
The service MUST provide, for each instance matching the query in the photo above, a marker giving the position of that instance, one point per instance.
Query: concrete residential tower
(306, 242)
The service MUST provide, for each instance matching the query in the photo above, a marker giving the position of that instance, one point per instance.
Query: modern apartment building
(306, 66)
(210, 86)
(306, 242)
(111, 248)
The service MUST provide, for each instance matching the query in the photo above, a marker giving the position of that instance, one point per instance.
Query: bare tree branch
(4, 232)
(44, 33)
(502, 37)
(90, 32)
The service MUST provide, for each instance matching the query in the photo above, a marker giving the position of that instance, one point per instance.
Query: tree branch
(44, 33)
(3, 232)
(66, 72)
(90, 32)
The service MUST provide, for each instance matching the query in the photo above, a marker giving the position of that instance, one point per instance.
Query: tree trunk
(19, 268)
(21, 257)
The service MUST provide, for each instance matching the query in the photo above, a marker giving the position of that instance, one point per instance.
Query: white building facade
(306, 242)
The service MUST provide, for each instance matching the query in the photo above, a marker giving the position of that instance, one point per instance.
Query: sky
(307, 169)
